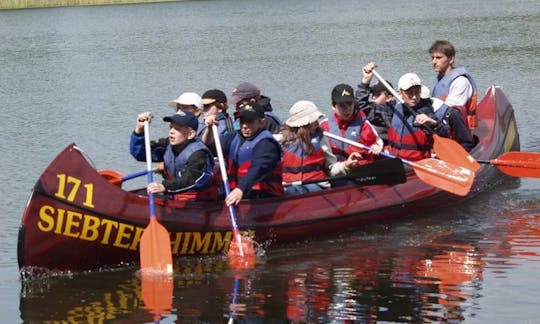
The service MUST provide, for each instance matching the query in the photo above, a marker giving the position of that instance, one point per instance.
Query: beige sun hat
(303, 113)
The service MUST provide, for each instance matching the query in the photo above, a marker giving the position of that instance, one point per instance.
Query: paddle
(155, 244)
(379, 172)
(117, 178)
(241, 249)
(445, 148)
(437, 173)
(517, 164)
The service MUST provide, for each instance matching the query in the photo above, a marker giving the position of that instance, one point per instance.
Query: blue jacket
(265, 159)
(137, 150)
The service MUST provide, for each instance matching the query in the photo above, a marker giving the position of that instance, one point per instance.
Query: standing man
(455, 86)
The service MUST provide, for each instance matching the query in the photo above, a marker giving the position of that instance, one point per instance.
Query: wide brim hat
(303, 113)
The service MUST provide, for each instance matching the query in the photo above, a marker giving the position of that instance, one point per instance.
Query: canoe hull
(76, 220)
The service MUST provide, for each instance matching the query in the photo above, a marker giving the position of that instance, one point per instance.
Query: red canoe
(77, 220)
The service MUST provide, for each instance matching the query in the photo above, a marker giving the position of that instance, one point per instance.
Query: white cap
(303, 113)
(187, 98)
(408, 80)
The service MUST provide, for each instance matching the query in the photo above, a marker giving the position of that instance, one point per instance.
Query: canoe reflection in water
(393, 274)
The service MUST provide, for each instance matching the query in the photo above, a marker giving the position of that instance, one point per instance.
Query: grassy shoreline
(24, 4)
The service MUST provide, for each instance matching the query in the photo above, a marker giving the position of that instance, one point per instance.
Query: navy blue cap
(182, 118)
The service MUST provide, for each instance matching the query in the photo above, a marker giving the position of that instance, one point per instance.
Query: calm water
(82, 74)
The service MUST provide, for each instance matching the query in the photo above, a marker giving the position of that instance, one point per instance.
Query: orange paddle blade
(443, 175)
(519, 164)
(155, 249)
(112, 176)
(451, 151)
(241, 252)
(157, 293)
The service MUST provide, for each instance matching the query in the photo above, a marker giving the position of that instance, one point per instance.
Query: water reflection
(521, 244)
(429, 270)
(157, 294)
(89, 298)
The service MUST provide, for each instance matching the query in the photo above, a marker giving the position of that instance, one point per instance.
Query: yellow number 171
(64, 181)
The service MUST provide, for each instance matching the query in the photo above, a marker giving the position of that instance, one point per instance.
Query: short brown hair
(443, 46)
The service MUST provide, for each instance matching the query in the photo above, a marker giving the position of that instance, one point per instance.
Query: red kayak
(76, 219)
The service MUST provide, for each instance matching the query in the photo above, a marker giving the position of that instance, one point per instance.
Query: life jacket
(271, 114)
(225, 125)
(268, 111)
(203, 188)
(300, 166)
(240, 156)
(200, 128)
(407, 140)
(353, 133)
(442, 88)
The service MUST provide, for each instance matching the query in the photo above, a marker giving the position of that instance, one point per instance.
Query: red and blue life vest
(300, 166)
(353, 133)
(240, 156)
(407, 140)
